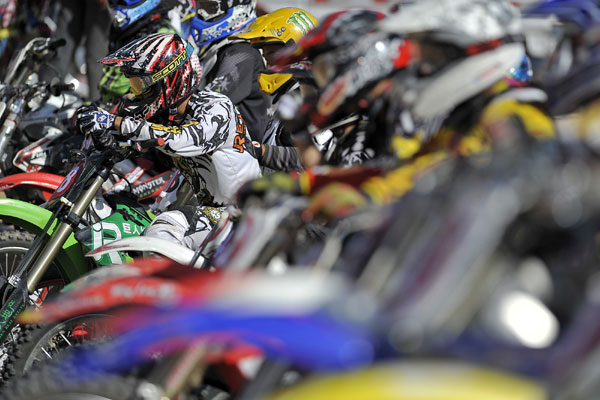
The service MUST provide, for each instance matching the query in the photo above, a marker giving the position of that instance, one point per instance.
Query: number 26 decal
(240, 138)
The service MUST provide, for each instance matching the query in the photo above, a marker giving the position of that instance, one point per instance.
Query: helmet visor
(139, 84)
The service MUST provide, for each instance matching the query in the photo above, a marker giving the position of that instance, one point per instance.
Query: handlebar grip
(147, 144)
(55, 44)
(57, 89)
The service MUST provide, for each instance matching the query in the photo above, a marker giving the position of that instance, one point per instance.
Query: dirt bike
(141, 178)
(61, 327)
(64, 213)
(15, 132)
(289, 322)
(38, 119)
(76, 322)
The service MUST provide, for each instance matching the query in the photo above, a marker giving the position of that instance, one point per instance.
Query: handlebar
(120, 145)
(55, 44)
(53, 89)
(148, 144)
(58, 89)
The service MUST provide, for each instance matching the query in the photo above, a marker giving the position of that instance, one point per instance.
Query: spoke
(46, 353)
(65, 339)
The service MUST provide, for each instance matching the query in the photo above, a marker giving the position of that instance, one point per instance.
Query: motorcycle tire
(37, 343)
(62, 381)
(53, 381)
(14, 243)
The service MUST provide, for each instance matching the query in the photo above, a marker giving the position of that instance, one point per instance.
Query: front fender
(166, 248)
(70, 260)
(44, 181)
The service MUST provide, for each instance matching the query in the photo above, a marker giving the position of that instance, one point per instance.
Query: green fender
(70, 259)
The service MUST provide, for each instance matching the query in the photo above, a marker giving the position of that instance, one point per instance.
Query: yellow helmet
(278, 27)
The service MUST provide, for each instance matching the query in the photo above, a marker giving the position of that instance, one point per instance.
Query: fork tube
(61, 235)
(187, 193)
(9, 126)
(187, 370)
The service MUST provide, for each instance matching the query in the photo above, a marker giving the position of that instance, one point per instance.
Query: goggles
(141, 83)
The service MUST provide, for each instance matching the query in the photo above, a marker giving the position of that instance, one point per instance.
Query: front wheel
(35, 343)
(63, 382)
(14, 244)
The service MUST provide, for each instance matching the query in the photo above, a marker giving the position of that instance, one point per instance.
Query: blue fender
(31, 218)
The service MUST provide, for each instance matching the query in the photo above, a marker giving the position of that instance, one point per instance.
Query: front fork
(61, 235)
(25, 280)
(8, 128)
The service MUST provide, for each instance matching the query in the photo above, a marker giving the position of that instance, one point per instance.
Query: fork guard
(31, 218)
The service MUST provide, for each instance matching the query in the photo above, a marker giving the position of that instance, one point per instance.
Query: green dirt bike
(46, 248)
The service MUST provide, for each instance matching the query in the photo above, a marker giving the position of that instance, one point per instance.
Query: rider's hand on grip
(336, 200)
(92, 121)
(103, 139)
(278, 181)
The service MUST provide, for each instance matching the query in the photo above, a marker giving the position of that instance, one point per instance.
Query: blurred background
(319, 8)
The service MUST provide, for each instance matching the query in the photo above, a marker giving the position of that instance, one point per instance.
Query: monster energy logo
(302, 21)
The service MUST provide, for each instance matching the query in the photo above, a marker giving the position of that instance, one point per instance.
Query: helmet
(345, 75)
(338, 29)
(349, 60)
(466, 46)
(136, 18)
(216, 19)
(286, 25)
(280, 26)
(564, 41)
(161, 69)
(582, 13)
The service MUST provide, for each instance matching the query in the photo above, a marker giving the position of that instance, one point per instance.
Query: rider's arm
(207, 132)
(281, 158)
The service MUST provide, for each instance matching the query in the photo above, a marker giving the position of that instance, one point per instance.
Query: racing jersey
(235, 74)
(211, 146)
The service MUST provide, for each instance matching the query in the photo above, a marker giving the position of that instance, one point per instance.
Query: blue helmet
(582, 13)
(131, 15)
(133, 19)
(216, 19)
(128, 12)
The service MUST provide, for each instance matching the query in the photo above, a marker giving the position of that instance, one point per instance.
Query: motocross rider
(452, 113)
(270, 33)
(133, 19)
(231, 65)
(202, 130)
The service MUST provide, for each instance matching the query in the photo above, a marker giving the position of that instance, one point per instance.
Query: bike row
(373, 205)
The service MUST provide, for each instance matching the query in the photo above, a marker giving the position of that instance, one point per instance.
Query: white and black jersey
(211, 146)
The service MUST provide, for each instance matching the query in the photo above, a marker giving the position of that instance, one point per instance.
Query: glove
(336, 200)
(103, 139)
(277, 181)
(93, 121)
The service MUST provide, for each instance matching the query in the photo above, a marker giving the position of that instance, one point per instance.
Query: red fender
(160, 281)
(44, 181)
